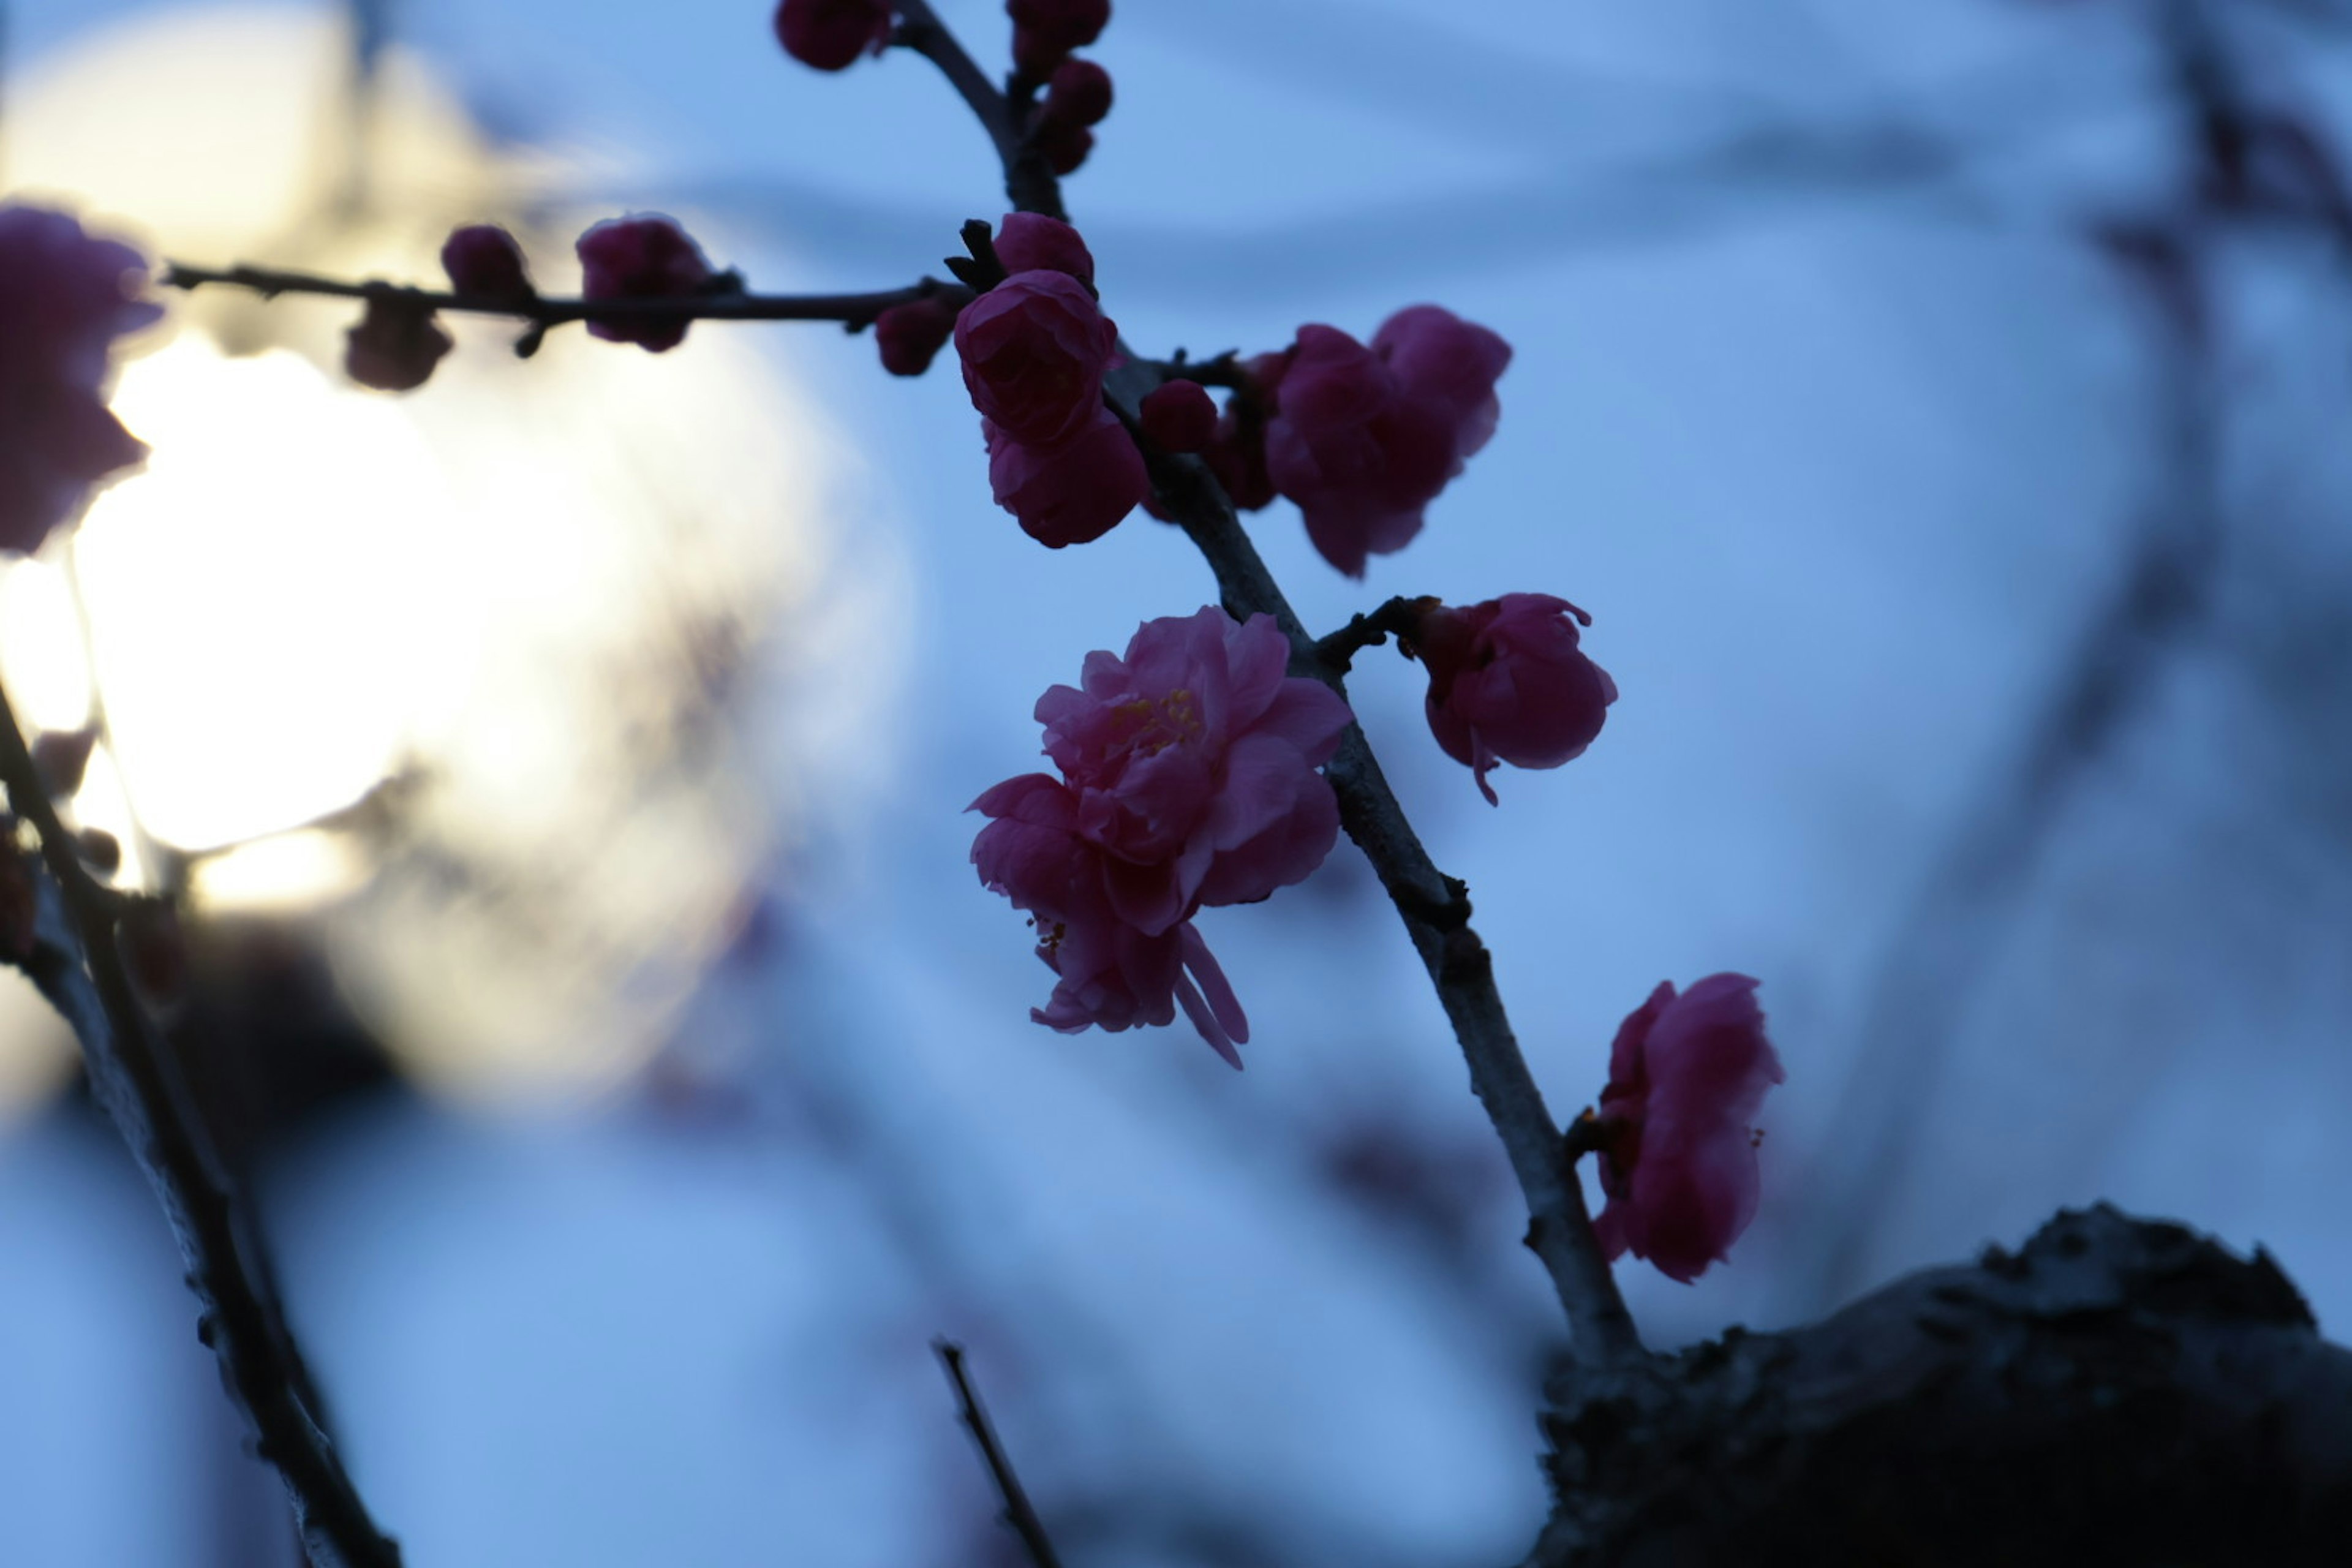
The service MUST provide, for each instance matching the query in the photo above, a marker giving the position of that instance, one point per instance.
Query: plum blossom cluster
(1188, 780)
(65, 296)
(1686, 1075)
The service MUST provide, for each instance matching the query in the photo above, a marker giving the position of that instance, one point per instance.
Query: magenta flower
(1364, 439)
(1686, 1076)
(1032, 242)
(644, 257)
(1034, 349)
(909, 336)
(1178, 416)
(483, 258)
(1073, 492)
(1188, 780)
(1508, 683)
(830, 35)
(65, 296)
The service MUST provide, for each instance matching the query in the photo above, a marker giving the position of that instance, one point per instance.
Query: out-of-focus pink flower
(1034, 349)
(1364, 439)
(1508, 683)
(1032, 242)
(483, 258)
(1686, 1076)
(394, 345)
(1071, 492)
(1179, 415)
(1188, 780)
(1045, 31)
(830, 35)
(1079, 92)
(65, 296)
(642, 257)
(910, 336)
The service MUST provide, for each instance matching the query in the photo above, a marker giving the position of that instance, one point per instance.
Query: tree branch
(1018, 1515)
(78, 966)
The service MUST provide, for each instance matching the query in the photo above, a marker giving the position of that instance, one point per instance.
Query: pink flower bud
(1508, 683)
(483, 259)
(1687, 1076)
(1033, 350)
(65, 296)
(1074, 492)
(1188, 780)
(394, 345)
(642, 257)
(830, 35)
(1063, 143)
(1179, 415)
(1079, 92)
(1032, 242)
(910, 335)
(1045, 31)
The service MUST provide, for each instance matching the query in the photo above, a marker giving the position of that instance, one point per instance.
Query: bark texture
(2120, 1392)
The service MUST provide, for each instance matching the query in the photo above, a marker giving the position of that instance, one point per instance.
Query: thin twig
(1029, 180)
(78, 967)
(1019, 1515)
(1559, 1227)
(854, 310)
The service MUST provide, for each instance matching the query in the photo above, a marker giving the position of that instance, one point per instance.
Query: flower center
(1153, 727)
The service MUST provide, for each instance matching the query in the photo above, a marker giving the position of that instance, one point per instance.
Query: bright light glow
(288, 872)
(40, 648)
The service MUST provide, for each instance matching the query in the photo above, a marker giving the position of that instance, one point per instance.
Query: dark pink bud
(1687, 1076)
(65, 296)
(1508, 683)
(912, 334)
(1033, 350)
(830, 35)
(1032, 242)
(1064, 143)
(1179, 415)
(1074, 492)
(1079, 92)
(1045, 31)
(482, 258)
(642, 257)
(395, 346)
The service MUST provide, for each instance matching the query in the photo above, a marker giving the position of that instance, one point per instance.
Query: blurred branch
(1029, 180)
(78, 965)
(1022, 1517)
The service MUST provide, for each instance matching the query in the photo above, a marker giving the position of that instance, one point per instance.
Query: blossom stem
(78, 966)
(1338, 649)
(1029, 180)
(1018, 1513)
(856, 311)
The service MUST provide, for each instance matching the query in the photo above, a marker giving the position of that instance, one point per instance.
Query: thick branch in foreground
(78, 966)
(2118, 1392)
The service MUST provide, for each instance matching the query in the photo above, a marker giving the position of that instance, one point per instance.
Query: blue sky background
(1840, 455)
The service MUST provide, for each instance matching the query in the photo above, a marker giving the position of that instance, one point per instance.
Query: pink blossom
(1364, 439)
(1508, 683)
(1179, 415)
(1045, 31)
(482, 258)
(1034, 349)
(909, 336)
(1074, 492)
(1188, 780)
(830, 35)
(1686, 1076)
(642, 257)
(65, 296)
(394, 345)
(1032, 242)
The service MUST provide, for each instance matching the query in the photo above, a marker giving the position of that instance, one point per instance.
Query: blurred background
(1939, 408)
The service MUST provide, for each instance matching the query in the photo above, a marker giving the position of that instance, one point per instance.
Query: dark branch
(78, 966)
(1019, 1515)
(1029, 180)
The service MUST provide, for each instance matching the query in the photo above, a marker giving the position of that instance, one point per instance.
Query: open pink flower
(1687, 1076)
(644, 257)
(65, 296)
(1188, 780)
(1034, 349)
(1508, 683)
(1072, 492)
(1364, 439)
